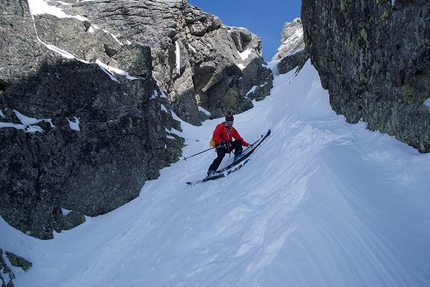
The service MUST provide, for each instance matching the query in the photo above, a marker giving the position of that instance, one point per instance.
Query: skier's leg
(237, 147)
(215, 164)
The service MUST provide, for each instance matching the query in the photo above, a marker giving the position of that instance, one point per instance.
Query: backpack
(212, 141)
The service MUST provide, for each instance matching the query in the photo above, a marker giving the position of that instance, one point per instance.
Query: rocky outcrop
(6, 273)
(291, 39)
(197, 61)
(291, 52)
(374, 59)
(75, 134)
(18, 261)
(292, 61)
(87, 93)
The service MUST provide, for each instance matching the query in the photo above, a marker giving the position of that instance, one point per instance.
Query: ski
(220, 174)
(235, 165)
(246, 154)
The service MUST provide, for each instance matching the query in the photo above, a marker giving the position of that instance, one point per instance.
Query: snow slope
(321, 203)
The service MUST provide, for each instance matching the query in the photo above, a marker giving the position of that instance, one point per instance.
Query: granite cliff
(374, 59)
(88, 95)
(74, 136)
(291, 39)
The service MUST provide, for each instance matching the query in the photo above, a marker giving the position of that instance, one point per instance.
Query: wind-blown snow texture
(321, 203)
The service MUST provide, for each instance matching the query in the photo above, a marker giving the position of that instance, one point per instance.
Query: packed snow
(320, 203)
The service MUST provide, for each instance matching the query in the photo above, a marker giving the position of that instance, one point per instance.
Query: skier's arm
(237, 136)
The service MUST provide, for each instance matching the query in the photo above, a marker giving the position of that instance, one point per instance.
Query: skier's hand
(221, 144)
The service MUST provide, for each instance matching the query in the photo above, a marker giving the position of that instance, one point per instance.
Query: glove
(220, 145)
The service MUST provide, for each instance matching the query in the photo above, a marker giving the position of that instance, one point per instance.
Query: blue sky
(264, 18)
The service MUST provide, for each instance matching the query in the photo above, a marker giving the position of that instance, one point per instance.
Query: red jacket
(226, 133)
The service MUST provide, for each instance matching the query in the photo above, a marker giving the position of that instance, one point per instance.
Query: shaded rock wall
(74, 135)
(86, 97)
(373, 57)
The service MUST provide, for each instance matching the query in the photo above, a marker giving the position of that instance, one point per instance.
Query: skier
(223, 136)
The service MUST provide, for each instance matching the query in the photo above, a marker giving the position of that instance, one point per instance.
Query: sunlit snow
(28, 124)
(321, 203)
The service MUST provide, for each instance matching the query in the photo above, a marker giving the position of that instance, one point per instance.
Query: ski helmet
(229, 117)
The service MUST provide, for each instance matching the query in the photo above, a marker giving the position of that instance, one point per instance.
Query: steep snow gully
(321, 203)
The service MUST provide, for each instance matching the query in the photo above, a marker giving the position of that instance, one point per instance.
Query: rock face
(374, 59)
(72, 134)
(292, 61)
(291, 51)
(6, 273)
(87, 94)
(291, 39)
(197, 61)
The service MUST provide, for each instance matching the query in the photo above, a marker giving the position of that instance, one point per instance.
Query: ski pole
(253, 143)
(185, 158)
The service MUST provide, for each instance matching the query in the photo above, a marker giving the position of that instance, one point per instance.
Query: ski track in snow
(321, 203)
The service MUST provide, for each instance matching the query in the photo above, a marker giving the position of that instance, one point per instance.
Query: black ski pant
(221, 151)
